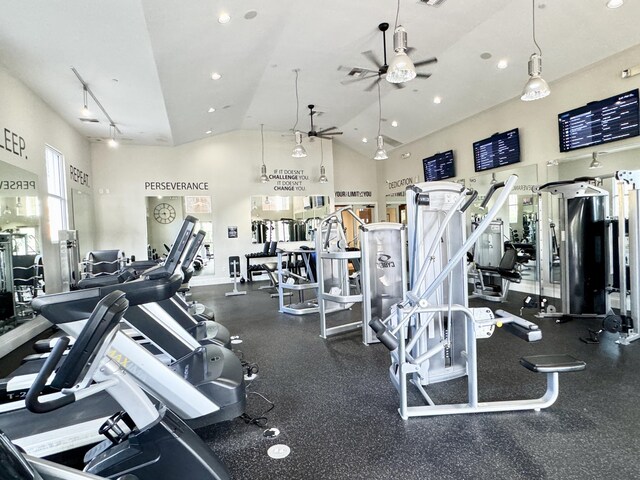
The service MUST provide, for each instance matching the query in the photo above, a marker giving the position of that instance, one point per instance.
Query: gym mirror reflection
(164, 218)
(83, 220)
(286, 219)
(515, 228)
(21, 266)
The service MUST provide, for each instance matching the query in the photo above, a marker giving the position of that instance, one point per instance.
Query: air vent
(433, 3)
(391, 141)
(89, 120)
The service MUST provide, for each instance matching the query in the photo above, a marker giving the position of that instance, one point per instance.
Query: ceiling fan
(326, 133)
(360, 73)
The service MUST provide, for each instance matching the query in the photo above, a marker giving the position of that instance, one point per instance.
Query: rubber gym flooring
(337, 410)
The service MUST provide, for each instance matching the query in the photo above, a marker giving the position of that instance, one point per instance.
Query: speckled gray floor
(337, 409)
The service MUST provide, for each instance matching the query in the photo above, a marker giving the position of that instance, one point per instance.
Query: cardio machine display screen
(439, 166)
(497, 151)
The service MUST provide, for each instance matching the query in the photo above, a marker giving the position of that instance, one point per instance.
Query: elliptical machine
(143, 440)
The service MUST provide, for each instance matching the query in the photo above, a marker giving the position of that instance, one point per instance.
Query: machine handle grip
(490, 193)
(32, 401)
(473, 195)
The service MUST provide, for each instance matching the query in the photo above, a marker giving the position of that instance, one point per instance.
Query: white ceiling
(162, 53)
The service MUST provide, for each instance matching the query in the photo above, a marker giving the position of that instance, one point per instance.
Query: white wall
(228, 163)
(355, 176)
(537, 122)
(26, 115)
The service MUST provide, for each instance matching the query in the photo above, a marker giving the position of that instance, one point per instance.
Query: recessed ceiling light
(224, 18)
(364, 140)
(211, 110)
(437, 100)
(394, 123)
(614, 3)
(208, 132)
(502, 64)
(216, 76)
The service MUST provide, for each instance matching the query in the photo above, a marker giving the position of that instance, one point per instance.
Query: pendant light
(381, 153)
(323, 175)
(401, 68)
(595, 163)
(535, 88)
(263, 169)
(298, 150)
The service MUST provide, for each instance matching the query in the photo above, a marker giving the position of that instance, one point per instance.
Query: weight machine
(598, 253)
(337, 289)
(432, 333)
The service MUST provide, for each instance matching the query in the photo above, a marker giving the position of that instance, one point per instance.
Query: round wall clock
(164, 213)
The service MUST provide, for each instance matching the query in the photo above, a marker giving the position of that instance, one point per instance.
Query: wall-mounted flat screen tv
(497, 151)
(439, 166)
(604, 121)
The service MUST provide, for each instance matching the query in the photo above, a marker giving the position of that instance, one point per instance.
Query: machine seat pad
(553, 363)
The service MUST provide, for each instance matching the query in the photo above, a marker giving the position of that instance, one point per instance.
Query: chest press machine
(432, 334)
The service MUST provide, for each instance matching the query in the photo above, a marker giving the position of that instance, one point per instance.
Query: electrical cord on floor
(260, 420)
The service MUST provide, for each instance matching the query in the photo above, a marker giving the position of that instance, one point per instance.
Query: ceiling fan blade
(372, 58)
(373, 84)
(423, 75)
(329, 136)
(326, 130)
(368, 74)
(397, 86)
(428, 61)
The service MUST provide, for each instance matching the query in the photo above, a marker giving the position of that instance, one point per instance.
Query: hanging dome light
(381, 153)
(401, 68)
(535, 88)
(298, 150)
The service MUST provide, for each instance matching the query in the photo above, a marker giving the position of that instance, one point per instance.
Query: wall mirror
(21, 274)
(82, 220)
(396, 207)
(164, 219)
(286, 219)
(515, 226)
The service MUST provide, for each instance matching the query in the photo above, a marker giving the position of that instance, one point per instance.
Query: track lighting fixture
(86, 113)
(323, 175)
(113, 128)
(381, 153)
(535, 88)
(263, 169)
(113, 143)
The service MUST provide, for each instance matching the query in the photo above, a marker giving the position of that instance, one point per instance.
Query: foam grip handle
(377, 325)
(32, 401)
(388, 340)
(490, 193)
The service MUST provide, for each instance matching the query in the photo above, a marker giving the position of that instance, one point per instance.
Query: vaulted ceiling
(150, 62)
